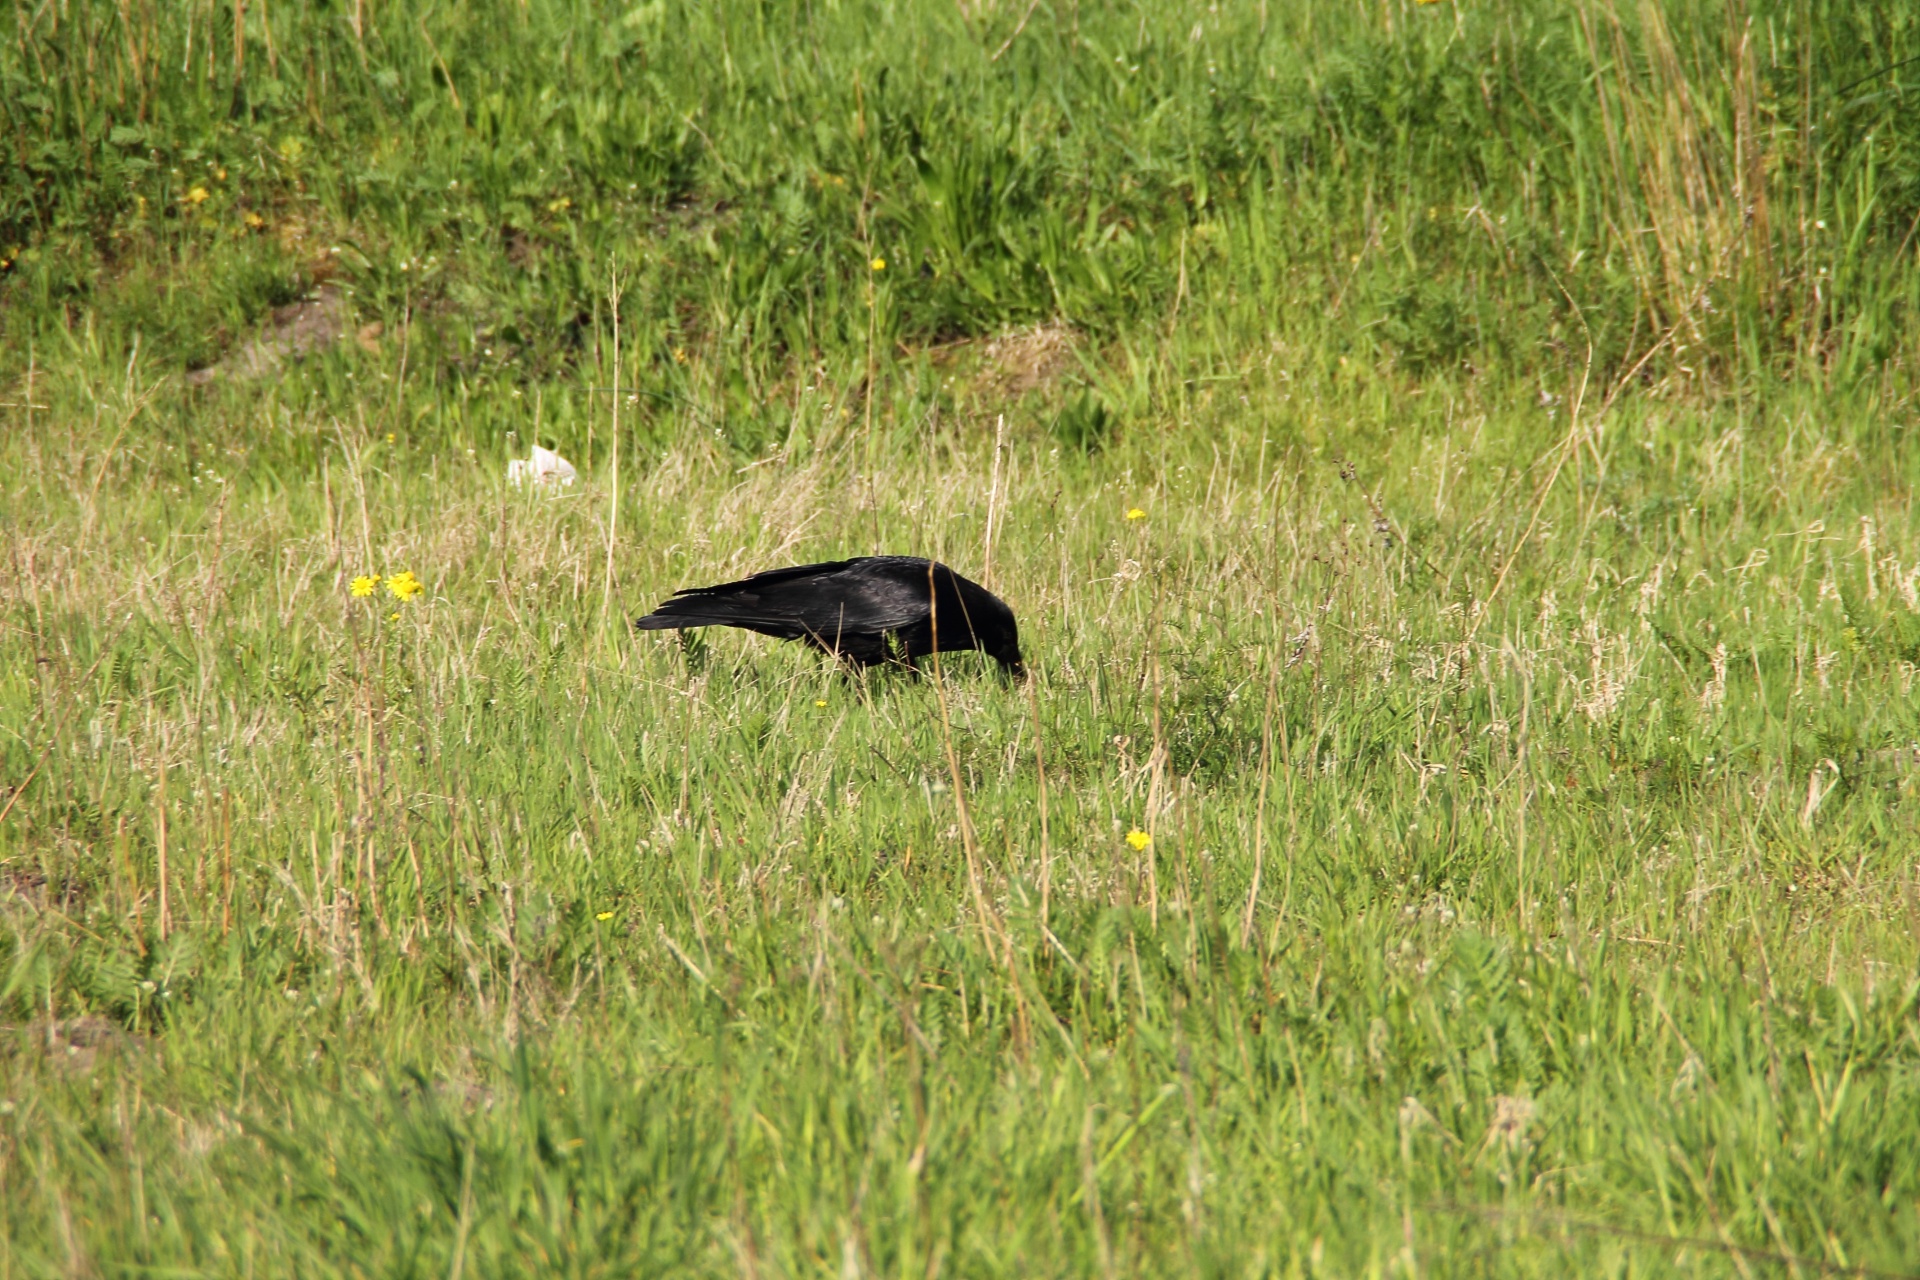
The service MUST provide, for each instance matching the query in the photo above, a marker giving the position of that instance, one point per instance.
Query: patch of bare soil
(1029, 358)
(292, 332)
(77, 1045)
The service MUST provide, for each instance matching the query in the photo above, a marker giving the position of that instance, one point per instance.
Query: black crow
(852, 607)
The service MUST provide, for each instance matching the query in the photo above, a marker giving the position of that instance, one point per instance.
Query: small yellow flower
(404, 585)
(253, 220)
(560, 206)
(1139, 840)
(196, 195)
(364, 585)
(603, 915)
(389, 437)
(819, 702)
(878, 264)
(393, 617)
(220, 175)
(1136, 513)
(679, 355)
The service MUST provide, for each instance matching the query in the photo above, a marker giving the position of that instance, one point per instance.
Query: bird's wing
(823, 600)
(768, 577)
(966, 608)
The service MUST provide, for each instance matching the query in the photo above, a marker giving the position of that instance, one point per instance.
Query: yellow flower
(1139, 840)
(253, 220)
(364, 585)
(603, 915)
(196, 195)
(679, 355)
(560, 206)
(220, 174)
(878, 264)
(1136, 513)
(393, 617)
(389, 437)
(404, 585)
(819, 702)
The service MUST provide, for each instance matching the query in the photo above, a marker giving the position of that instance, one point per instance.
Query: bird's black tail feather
(707, 610)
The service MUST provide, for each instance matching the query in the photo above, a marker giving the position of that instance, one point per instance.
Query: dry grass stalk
(1040, 774)
(1260, 806)
(993, 933)
(613, 499)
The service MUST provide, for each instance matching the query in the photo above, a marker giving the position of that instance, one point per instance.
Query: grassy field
(1454, 468)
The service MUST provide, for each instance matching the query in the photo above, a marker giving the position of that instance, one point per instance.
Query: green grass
(1426, 185)
(1513, 666)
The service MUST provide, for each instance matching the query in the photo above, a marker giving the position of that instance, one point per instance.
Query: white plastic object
(545, 468)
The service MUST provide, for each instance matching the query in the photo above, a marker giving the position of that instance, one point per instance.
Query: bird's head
(991, 622)
(1003, 646)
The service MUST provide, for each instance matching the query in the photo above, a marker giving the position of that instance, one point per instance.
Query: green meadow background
(1453, 465)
